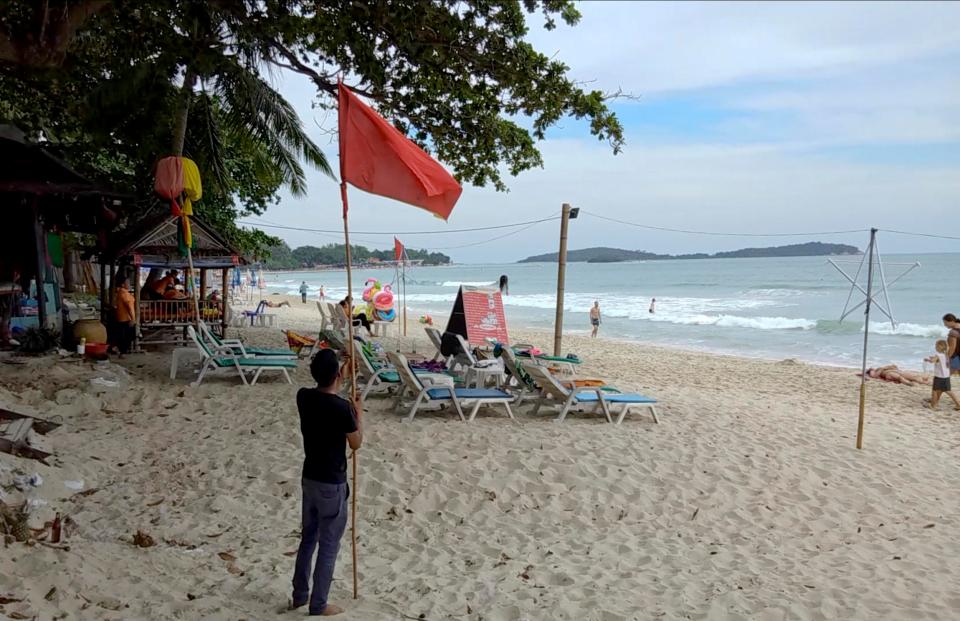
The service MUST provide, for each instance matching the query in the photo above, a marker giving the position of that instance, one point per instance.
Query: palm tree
(236, 102)
(208, 87)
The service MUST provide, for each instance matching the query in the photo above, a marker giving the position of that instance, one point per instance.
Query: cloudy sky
(751, 117)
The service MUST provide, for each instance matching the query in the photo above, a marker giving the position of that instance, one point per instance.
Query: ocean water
(768, 308)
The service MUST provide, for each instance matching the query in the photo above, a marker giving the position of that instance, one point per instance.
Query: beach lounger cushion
(469, 393)
(257, 362)
(256, 351)
(615, 398)
(391, 377)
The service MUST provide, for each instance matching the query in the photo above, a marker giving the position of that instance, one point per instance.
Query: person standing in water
(322, 294)
(653, 306)
(303, 291)
(595, 318)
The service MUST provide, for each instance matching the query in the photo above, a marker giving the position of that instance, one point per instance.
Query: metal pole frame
(866, 337)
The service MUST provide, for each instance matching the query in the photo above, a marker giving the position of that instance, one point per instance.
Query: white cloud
(801, 76)
(652, 47)
(703, 187)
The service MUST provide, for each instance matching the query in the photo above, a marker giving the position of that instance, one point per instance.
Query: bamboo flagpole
(353, 381)
(376, 157)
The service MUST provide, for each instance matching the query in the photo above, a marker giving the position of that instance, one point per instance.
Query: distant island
(617, 255)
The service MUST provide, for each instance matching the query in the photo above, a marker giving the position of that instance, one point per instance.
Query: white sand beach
(747, 501)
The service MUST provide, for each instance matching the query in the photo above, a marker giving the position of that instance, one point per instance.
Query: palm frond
(266, 113)
(205, 114)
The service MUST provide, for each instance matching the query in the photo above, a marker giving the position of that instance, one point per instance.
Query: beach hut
(42, 198)
(153, 245)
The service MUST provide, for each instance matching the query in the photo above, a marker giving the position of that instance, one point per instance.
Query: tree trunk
(183, 111)
(45, 43)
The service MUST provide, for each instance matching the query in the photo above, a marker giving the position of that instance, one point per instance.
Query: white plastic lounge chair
(566, 366)
(580, 397)
(224, 360)
(340, 318)
(477, 372)
(237, 317)
(427, 394)
(519, 381)
(435, 337)
(386, 375)
(325, 321)
(239, 348)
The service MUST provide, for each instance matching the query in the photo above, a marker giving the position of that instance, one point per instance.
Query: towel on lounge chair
(297, 342)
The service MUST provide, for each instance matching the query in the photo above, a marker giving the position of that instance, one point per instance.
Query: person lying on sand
(275, 304)
(892, 373)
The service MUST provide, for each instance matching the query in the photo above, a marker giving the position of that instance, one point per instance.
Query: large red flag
(397, 248)
(376, 157)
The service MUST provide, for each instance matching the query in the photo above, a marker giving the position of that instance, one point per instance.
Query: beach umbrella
(376, 157)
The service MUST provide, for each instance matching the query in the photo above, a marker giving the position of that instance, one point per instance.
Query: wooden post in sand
(136, 305)
(223, 302)
(561, 272)
(866, 335)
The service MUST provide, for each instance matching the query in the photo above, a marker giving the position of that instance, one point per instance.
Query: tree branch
(619, 94)
(295, 64)
(323, 82)
(49, 47)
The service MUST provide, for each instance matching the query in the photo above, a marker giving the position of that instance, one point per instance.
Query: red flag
(376, 157)
(397, 248)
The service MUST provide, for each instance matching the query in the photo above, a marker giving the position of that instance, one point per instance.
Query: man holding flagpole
(328, 424)
(376, 157)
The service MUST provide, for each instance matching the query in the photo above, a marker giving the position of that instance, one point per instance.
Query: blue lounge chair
(596, 397)
(225, 360)
(431, 394)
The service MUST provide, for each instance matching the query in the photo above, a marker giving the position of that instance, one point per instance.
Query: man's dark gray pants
(324, 520)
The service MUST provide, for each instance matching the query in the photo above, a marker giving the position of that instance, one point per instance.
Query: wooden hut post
(39, 264)
(136, 304)
(203, 283)
(103, 291)
(223, 302)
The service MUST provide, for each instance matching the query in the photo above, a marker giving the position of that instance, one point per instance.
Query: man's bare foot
(329, 611)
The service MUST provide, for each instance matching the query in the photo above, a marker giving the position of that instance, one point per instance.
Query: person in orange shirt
(161, 285)
(124, 308)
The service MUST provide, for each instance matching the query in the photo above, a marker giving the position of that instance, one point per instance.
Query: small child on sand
(941, 377)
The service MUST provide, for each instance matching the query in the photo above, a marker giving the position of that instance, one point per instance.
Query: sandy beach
(747, 501)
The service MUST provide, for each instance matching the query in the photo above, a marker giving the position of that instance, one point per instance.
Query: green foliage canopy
(104, 80)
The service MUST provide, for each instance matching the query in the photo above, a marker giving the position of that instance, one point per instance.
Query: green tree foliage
(105, 80)
(280, 257)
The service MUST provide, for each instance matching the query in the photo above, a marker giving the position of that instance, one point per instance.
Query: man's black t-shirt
(325, 421)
